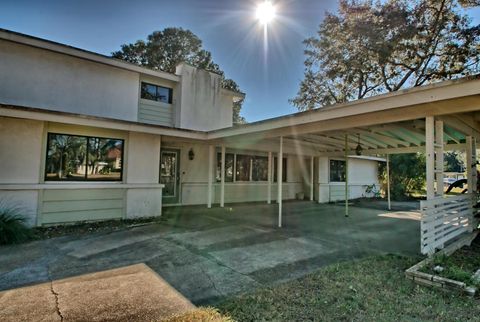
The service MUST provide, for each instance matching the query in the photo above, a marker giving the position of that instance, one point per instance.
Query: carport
(430, 119)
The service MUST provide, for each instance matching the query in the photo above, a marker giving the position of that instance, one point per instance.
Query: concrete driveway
(207, 254)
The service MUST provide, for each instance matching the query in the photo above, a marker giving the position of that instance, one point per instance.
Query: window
(82, 158)
(243, 167)
(337, 171)
(247, 167)
(156, 93)
(228, 167)
(260, 168)
(284, 169)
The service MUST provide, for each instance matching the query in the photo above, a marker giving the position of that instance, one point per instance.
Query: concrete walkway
(207, 254)
(132, 293)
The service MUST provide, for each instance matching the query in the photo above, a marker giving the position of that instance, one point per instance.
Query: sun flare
(265, 12)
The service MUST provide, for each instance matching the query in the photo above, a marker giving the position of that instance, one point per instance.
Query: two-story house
(87, 137)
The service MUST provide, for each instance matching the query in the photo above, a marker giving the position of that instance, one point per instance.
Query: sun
(265, 12)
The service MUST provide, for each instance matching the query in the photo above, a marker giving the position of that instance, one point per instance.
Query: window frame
(251, 172)
(218, 173)
(170, 93)
(330, 170)
(85, 179)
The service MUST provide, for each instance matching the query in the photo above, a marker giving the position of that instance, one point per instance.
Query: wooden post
(439, 157)
(279, 181)
(222, 180)
(312, 160)
(430, 156)
(470, 165)
(388, 182)
(346, 175)
(211, 152)
(269, 178)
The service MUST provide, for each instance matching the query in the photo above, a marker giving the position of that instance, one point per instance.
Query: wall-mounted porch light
(191, 154)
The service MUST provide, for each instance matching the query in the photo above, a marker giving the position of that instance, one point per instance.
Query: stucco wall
(143, 158)
(21, 147)
(203, 105)
(44, 79)
(194, 178)
(361, 173)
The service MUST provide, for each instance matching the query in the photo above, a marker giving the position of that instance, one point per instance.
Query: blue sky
(228, 29)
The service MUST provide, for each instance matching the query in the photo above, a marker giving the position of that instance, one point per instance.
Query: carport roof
(389, 123)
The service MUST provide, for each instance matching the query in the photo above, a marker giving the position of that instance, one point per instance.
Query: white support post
(388, 183)
(222, 180)
(474, 164)
(346, 175)
(471, 171)
(279, 181)
(211, 153)
(312, 160)
(470, 165)
(430, 156)
(269, 178)
(439, 157)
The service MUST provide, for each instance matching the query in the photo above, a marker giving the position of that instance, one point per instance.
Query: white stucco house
(87, 137)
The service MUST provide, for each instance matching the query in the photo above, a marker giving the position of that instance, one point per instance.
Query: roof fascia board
(99, 122)
(416, 96)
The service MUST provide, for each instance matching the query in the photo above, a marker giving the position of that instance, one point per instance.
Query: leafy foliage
(407, 174)
(12, 226)
(370, 47)
(453, 162)
(164, 50)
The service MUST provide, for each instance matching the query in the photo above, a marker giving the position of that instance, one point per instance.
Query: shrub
(12, 226)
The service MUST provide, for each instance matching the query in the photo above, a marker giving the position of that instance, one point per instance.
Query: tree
(164, 50)
(453, 162)
(407, 174)
(370, 48)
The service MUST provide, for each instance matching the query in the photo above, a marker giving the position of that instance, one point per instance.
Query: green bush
(12, 226)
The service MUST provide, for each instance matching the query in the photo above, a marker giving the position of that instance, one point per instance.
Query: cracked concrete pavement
(207, 254)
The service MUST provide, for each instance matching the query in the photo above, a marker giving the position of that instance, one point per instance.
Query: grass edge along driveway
(371, 289)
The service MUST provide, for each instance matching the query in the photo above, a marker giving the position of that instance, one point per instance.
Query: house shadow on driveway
(207, 254)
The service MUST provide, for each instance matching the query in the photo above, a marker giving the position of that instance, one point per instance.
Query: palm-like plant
(12, 226)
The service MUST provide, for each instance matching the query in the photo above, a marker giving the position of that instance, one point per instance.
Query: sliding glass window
(83, 158)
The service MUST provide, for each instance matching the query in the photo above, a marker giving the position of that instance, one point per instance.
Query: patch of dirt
(92, 227)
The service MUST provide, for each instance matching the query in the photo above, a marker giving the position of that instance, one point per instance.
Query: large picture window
(337, 171)
(156, 93)
(83, 158)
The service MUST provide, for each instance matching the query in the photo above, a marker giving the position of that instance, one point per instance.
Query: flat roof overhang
(385, 124)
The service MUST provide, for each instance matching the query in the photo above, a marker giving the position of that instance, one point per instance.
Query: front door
(170, 175)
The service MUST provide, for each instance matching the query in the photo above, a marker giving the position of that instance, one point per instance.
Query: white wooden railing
(443, 219)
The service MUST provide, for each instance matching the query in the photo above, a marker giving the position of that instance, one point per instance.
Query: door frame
(176, 199)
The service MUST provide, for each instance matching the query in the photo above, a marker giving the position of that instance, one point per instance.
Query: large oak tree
(368, 48)
(164, 50)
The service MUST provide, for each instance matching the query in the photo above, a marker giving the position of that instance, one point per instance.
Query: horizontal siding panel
(82, 205)
(156, 109)
(161, 114)
(150, 118)
(155, 114)
(70, 216)
(62, 206)
(82, 194)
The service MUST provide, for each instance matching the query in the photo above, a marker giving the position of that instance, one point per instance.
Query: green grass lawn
(373, 289)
